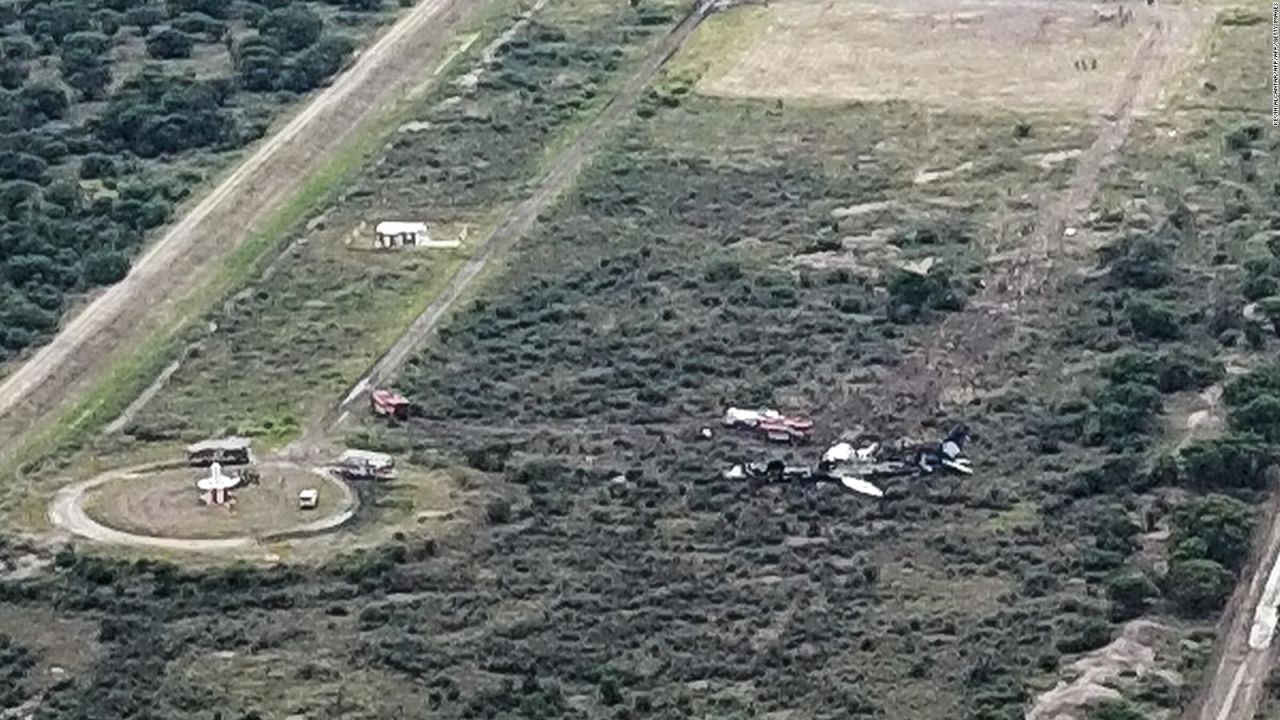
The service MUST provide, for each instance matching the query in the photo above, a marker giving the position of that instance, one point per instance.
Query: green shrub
(1084, 633)
(912, 293)
(1139, 261)
(1127, 412)
(16, 663)
(1215, 527)
(169, 44)
(1153, 320)
(1174, 370)
(1236, 460)
(1130, 592)
(1197, 587)
(1260, 415)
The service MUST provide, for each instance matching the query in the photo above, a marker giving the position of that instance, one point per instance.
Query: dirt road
(1246, 654)
(523, 216)
(953, 361)
(67, 512)
(189, 252)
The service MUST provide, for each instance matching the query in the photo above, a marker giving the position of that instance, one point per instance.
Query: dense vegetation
(468, 152)
(107, 111)
(608, 569)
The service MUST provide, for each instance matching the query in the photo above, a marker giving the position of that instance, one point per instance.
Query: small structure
(225, 451)
(216, 488)
(399, 233)
(308, 499)
(396, 233)
(389, 404)
(365, 465)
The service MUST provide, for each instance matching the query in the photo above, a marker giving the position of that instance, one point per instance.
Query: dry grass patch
(1013, 55)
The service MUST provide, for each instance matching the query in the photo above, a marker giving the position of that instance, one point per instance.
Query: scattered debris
(919, 267)
(855, 467)
(861, 209)
(777, 471)
(1049, 160)
(770, 424)
(924, 177)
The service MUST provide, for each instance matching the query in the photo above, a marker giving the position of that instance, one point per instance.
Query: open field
(563, 542)
(949, 55)
(166, 504)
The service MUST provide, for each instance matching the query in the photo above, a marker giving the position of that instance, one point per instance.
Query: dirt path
(67, 512)
(189, 251)
(954, 359)
(523, 216)
(1245, 658)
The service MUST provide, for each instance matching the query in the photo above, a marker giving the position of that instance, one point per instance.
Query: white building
(397, 233)
(394, 233)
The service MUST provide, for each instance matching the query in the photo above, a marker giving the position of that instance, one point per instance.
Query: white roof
(308, 494)
(227, 443)
(351, 457)
(397, 227)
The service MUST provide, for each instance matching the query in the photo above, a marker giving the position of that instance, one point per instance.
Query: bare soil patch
(971, 54)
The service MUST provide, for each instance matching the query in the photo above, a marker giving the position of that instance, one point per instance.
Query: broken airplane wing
(861, 486)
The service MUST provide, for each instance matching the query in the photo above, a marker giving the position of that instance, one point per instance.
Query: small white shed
(396, 233)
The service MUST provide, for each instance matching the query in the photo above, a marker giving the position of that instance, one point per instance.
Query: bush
(1139, 261)
(104, 267)
(498, 510)
(1082, 634)
(16, 663)
(1260, 415)
(291, 28)
(912, 293)
(1130, 591)
(1173, 370)
(1127, 412)
(1153, 320)
(169, 43)
(1215, 527)
(1236, 460)
(1197, 587)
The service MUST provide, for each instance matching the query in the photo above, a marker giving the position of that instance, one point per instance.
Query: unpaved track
(523, 216)
(1246, 651)
(970, 344)
(67, 512)
(189, 251)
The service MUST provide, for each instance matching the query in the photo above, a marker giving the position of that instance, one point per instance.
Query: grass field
(949, 55)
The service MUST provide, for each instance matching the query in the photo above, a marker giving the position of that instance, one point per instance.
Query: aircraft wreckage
(856, 468)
